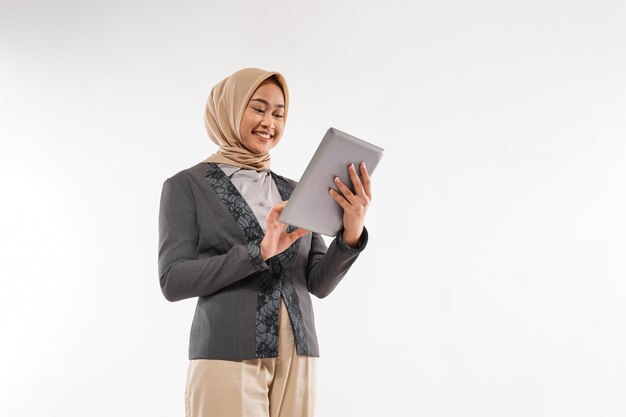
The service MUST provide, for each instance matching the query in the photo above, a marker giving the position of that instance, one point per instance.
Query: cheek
(247, 122)
(280, 127)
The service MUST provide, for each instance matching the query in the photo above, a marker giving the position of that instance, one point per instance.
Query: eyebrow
(265, 101)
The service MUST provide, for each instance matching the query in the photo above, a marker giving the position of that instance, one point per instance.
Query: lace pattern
(288, 289)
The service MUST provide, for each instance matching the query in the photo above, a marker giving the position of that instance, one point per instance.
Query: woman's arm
(181, 274)
(326, 267)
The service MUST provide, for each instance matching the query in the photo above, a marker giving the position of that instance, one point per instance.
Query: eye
(280, 116)
(259, 110)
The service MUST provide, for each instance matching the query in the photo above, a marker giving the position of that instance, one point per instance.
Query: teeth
(262, 135)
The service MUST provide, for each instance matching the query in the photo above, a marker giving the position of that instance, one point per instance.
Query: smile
(265, 136)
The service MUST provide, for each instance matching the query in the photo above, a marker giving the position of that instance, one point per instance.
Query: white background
(494, 280)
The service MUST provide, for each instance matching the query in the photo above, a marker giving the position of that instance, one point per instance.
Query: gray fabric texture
(204, 253)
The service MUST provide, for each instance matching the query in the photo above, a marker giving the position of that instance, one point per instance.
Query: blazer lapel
(234, 202)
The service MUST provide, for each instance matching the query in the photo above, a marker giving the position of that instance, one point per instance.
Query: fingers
(272, 217)
(347, 192)
(276, 237)
(280, 207)
(362, 186)
(365, 179)
(298, 233)
(276, 210)
(356, 181)
(340, 199)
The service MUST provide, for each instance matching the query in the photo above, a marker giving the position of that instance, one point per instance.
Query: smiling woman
(263, 120)
(253, 345)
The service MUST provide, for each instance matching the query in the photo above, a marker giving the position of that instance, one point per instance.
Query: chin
(263, 151)
(260, 147)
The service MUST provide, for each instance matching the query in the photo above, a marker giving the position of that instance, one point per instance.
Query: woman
(253, 344)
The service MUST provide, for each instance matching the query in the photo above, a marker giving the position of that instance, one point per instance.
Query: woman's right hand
(276, 239)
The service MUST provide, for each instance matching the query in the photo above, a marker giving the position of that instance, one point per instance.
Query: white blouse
(256, 187)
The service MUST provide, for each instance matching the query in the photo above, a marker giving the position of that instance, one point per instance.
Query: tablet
(310, 205)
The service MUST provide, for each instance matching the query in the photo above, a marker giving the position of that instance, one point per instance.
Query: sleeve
(181, 274)
(326, 267)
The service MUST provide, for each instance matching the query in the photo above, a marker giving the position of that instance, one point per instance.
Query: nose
(267, 121)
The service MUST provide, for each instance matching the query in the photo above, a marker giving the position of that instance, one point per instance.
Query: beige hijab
(224, 111)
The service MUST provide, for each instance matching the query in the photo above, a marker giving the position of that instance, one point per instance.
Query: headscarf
(224, 110)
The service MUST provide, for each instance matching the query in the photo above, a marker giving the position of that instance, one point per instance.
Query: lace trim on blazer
(276, 279)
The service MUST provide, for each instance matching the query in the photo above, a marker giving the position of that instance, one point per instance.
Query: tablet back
(310, 206)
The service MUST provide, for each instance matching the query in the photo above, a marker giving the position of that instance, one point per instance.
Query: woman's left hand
(354, 204)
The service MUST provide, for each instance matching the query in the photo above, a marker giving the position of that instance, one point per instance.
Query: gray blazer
(209, 248)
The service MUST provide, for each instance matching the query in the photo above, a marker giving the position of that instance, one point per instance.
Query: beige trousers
(272, 387)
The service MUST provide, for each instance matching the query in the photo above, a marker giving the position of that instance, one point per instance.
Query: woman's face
(262, 122)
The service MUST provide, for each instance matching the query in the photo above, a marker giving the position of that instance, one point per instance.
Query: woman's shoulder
(186, 177)
(197, 170)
